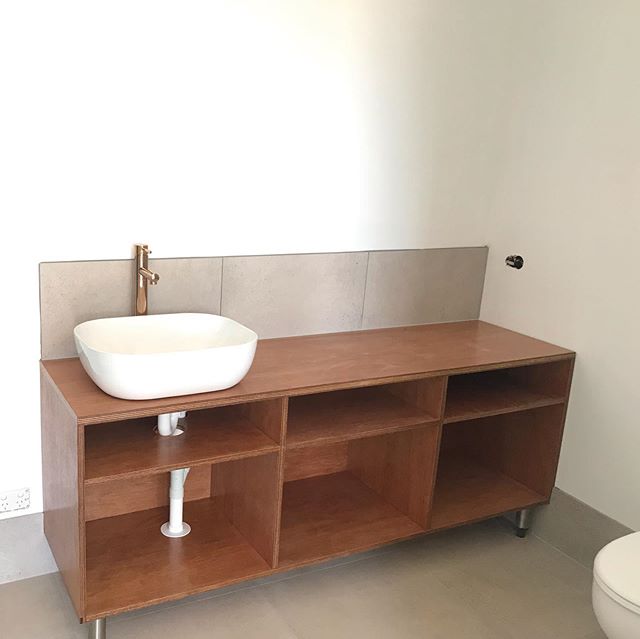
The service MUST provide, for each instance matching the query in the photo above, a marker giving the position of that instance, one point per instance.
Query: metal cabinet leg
(98, 629)
(523, 521)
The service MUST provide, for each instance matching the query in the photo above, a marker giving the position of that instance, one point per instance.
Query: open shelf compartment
(474, 395)
(336, 416)
(131, 448)
(234, 524)
(349, 496)
(494, 465)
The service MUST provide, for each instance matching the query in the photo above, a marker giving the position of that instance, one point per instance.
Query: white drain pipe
(168, 424)
(175, 527)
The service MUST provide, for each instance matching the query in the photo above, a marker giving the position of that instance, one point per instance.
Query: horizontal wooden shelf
(466, 492)
(329, 418)
(131, 448)
(333, 515)
(130, 564)
(485, 394)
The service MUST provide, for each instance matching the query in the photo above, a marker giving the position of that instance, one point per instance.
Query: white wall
(233, 127)
(227, 127)
(568, 200)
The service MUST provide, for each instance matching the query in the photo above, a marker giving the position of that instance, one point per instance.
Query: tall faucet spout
(143, 277)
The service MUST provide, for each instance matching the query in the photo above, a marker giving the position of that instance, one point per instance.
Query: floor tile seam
(565, 554)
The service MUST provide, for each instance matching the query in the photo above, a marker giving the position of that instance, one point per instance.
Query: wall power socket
(19, 499)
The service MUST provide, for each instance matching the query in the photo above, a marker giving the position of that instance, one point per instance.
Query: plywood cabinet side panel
(280, 479)
(62, 468)
(269, 416)
(251, 493)
(555, 455)
(532, 456)
(426, 394)
(400, 467)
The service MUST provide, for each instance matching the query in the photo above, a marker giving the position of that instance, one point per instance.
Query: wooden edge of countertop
(325, 362)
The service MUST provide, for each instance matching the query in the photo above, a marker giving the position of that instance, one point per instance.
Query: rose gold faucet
(143, 277)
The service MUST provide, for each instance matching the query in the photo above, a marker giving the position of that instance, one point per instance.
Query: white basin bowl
(153, 356)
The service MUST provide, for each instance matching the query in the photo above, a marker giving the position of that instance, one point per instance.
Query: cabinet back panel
(312, 461)
(121, 496)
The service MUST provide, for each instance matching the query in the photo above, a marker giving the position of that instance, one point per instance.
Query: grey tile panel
(187, 285)
(423, 286)
(74, 292)
(281, 295)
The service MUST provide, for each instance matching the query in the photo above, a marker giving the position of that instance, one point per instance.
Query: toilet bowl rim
(612, 594)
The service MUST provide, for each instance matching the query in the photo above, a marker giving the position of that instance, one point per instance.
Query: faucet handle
(144, 248)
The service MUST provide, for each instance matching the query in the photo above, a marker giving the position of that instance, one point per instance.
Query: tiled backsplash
(275, 295)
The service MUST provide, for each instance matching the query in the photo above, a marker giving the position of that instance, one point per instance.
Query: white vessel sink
(153, 356)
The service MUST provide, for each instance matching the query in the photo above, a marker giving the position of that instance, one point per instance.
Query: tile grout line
(221, 284)
(364, 293)
(562, 552)
(484, 282)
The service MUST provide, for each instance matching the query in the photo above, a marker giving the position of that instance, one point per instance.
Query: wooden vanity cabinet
(332, 444)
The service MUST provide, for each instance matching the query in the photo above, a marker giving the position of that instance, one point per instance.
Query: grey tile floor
(478, 582)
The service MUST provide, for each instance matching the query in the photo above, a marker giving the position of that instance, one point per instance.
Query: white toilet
(616, 588)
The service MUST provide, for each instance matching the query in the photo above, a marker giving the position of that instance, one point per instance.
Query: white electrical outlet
(15, 500)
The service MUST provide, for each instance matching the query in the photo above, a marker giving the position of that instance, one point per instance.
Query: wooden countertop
(313, 363)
